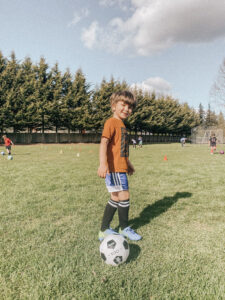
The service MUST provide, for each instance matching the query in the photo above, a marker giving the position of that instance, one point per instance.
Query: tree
(221, 121)
(188, 120)
(12, 105)
(211, 118)
(201, 114)
(144, 115)
(81, 103)
(26, 95)
(218, 88)
(55, 105)
(42, 94)
(3, 91)
(67, 100)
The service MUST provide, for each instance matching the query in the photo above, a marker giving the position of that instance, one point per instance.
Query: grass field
(51, 205)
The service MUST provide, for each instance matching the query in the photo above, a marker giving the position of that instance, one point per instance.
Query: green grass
(51, 205)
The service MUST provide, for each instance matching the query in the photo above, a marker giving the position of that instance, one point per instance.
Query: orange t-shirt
(118, 147)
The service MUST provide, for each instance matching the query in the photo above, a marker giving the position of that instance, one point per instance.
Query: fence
(47, 138)
(201, 135)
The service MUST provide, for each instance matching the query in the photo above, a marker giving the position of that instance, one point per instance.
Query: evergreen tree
(211, 118)
(67, 105)
(55, 106)
(3, 91)
(26, 95)
(81, 103)
(12, 107)
(189, 119)
(201, 114)
(143, 116)
(42, 94)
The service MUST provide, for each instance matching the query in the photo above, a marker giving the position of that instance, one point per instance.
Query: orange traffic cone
(165, 158)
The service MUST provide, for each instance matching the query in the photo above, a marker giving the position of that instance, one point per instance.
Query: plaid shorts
(116, 182)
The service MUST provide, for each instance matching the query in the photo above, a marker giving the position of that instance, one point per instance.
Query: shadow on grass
(154, 210)
(134, 252)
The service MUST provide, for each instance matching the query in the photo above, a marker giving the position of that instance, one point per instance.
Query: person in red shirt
(8, 144)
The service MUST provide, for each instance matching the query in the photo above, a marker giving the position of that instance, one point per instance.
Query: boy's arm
(103, 167)
(131, 169)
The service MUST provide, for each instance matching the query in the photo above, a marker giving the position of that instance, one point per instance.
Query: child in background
(134, 143)
(8, 144)
(182, 141)
(212, 142)
(115, 165)
(140, 141)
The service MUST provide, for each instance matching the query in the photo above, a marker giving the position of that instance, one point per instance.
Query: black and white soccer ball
(114, 249)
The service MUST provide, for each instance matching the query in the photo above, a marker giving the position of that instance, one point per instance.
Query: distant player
(212, 143)
(140, 141)
(8, 144)
(134, 143)
(182, 141)
(115, 165)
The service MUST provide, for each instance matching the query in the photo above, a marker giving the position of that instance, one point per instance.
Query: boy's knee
(114, 196)
(120, 196)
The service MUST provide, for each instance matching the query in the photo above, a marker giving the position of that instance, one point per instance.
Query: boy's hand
(103, 170)
(131, 169)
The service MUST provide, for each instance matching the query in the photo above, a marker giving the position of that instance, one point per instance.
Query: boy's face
(121, 110)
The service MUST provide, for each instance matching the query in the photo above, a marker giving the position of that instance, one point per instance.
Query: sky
(171, 47)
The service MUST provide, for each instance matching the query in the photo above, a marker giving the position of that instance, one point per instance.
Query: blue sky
(173, 47)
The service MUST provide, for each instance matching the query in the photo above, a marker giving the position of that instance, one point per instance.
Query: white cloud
(154, 84)
(123, 4)
(77, 17)
(89, 35)
(159, 24)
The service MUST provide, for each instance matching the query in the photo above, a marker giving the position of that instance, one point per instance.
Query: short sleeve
(109, 129)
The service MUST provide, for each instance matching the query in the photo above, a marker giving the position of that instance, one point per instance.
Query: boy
(8, 144)
(114, 165)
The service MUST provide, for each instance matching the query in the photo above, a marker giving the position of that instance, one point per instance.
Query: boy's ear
(113, 107)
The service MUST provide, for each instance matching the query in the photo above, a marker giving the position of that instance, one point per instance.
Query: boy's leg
(108, 215)
(123, 207)
(123, 212)
(8, 150)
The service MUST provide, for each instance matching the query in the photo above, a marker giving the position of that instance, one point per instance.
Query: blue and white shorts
(116, 182)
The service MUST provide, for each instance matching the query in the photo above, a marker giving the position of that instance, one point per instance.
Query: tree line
(35, 97)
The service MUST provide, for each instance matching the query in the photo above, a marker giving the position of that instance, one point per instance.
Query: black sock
(109, 212)
(123, 211)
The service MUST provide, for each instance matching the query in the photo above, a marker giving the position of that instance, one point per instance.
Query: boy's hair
(125, 96)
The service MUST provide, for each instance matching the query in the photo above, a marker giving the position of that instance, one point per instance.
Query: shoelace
(131, 230)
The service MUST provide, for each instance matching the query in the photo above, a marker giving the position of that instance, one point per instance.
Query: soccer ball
(221, 152)
(9, 157)
(2, 153)
(114, 249)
